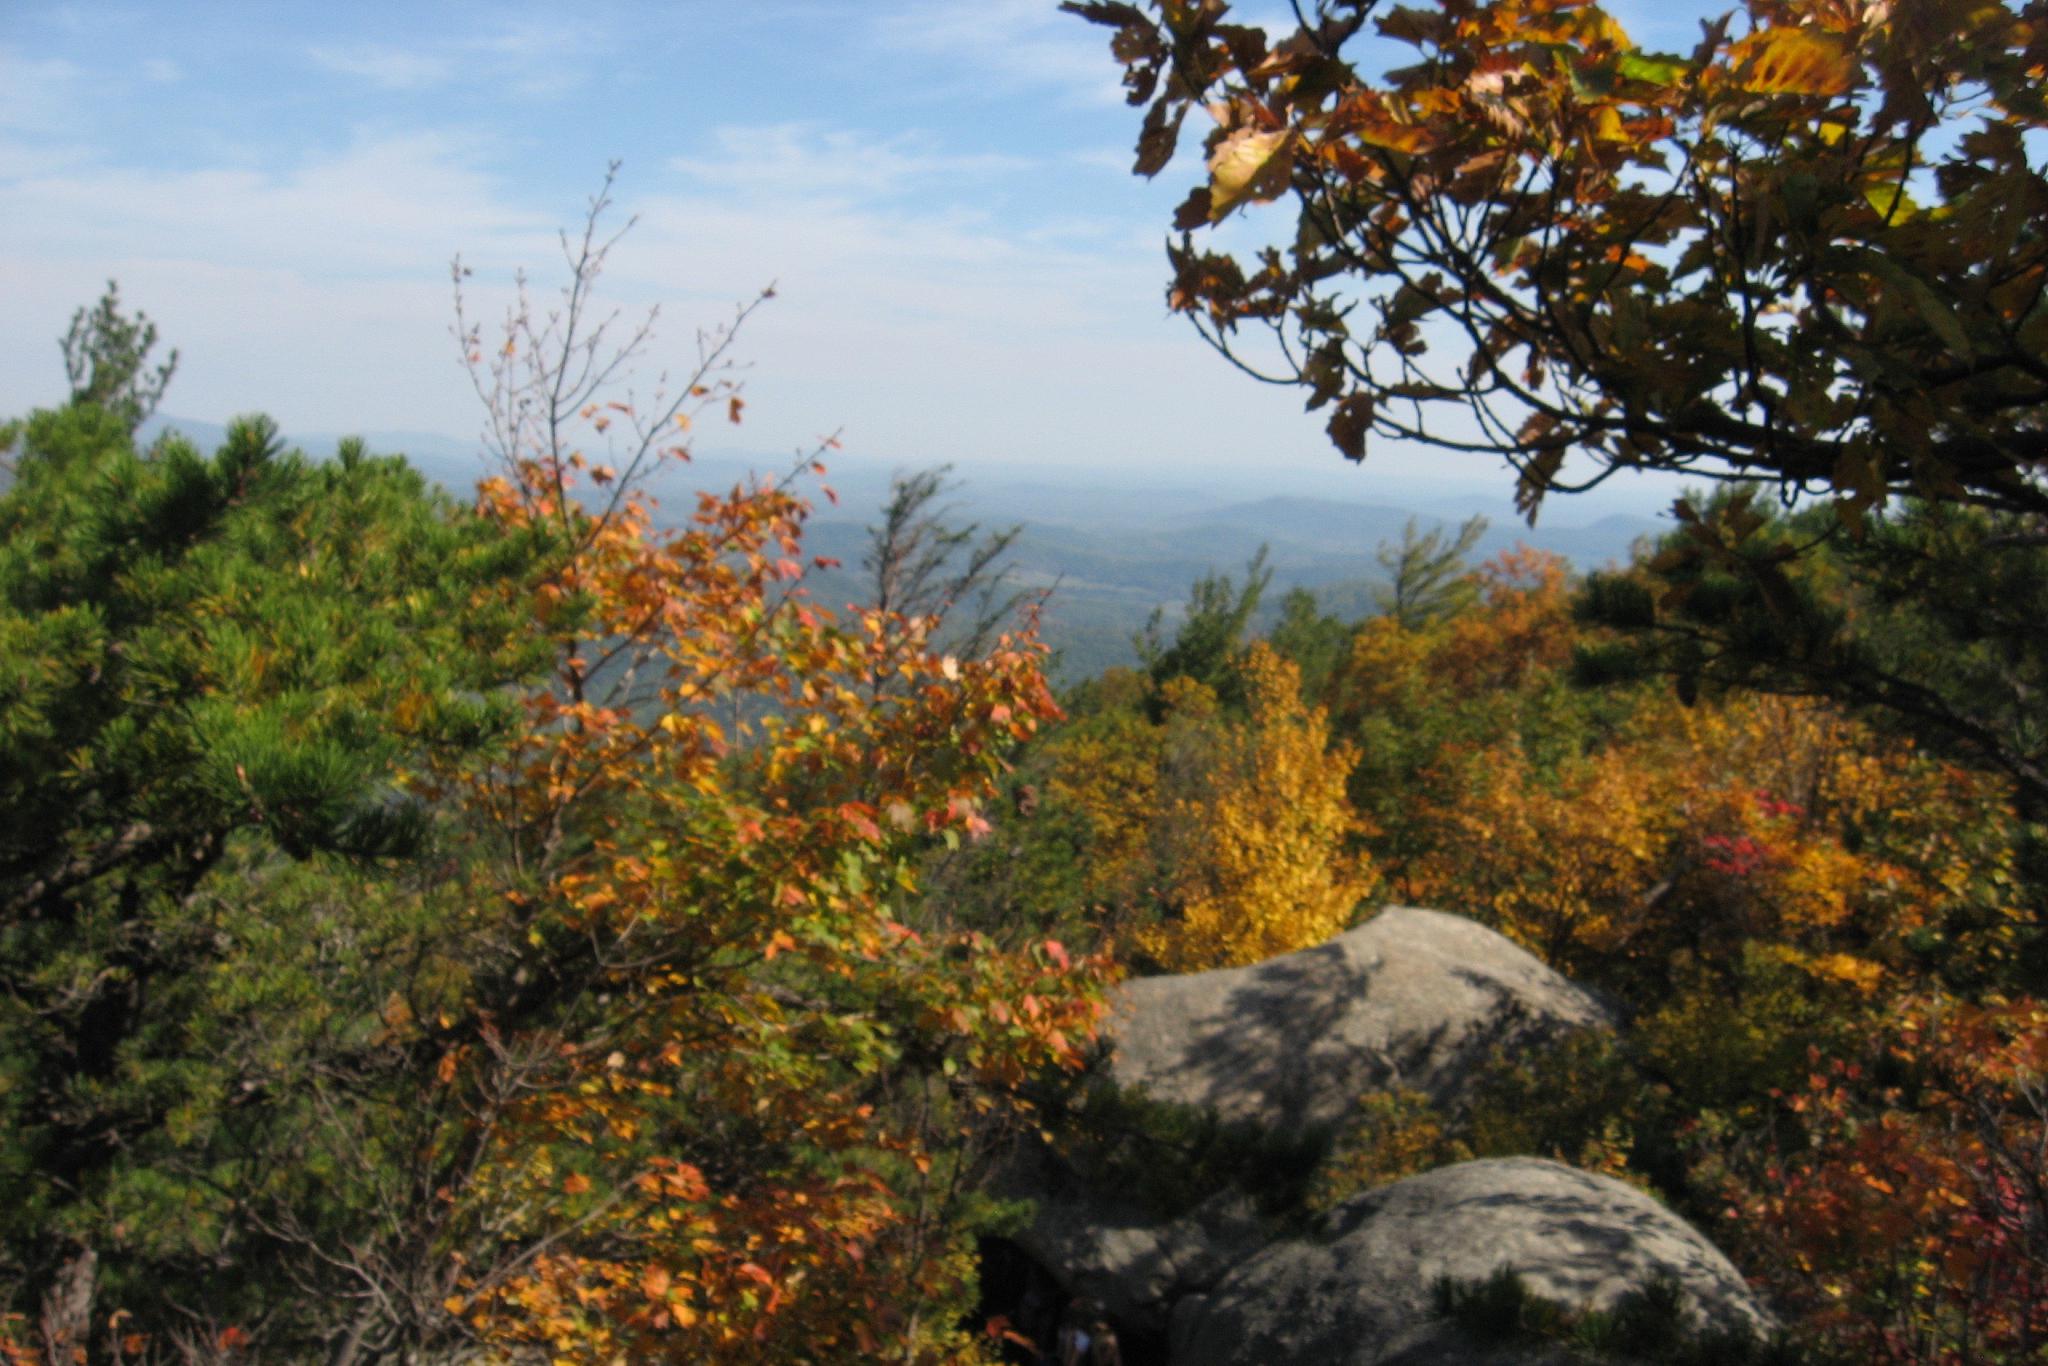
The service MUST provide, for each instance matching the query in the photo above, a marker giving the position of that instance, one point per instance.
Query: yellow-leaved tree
(1265, 840)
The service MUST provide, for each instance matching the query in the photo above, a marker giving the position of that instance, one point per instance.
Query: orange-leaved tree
(720, 1102)
(1699, 831)
(1427, 704)
(1904, 1212)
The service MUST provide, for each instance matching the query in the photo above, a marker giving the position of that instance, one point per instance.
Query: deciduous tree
(725, 1103)
(1806, 254)
(1261, 846)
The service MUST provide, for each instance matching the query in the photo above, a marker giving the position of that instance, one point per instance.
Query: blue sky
(939, 188)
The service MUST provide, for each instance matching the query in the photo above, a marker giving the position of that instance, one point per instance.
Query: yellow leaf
(1794, 61)
(1249, 165)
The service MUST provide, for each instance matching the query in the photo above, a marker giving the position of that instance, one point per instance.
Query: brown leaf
(1535, 480)
(1158, 138)
(1245, 44)
(1350, 424)
(1110, 12)
(1410, 24)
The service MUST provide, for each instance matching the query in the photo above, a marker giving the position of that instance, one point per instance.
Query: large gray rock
(1411, 998)
(1357, 1292)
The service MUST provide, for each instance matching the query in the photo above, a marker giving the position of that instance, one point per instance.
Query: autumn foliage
(1912, 1223)
(1818, 933)
(1267, 862)
(740, 1121)
(1805, 255)
(712, 1153)
(1531, 237)
(632, 1053)
(1771, 889)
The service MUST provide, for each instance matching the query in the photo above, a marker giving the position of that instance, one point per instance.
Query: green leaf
(1921, 296)
(1890, 200)
(1654, 68)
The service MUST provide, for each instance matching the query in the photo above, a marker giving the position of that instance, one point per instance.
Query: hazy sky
(939, 188)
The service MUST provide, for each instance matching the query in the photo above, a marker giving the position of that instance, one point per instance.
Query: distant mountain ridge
(1113, 548)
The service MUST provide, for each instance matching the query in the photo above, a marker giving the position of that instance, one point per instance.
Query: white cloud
(540, 60)
(523, 58)
(1117, 159)
(41, 109)
(161, 70)
(1020, 43)
(912, 319)
(37, 95)
(322, 290)
(391, 68)
(384, 204)
(926, 324)
(813, 161)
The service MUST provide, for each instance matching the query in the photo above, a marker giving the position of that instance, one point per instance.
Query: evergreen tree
(106, 356)
(1316, 641)
(1211, 636)
(1428, 576)
(226, 684)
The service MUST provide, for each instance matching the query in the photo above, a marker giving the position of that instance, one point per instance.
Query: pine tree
(227, 684)
(106, 356)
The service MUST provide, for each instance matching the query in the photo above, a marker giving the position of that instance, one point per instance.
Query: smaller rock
(1131, 1259)
(1358, 1291)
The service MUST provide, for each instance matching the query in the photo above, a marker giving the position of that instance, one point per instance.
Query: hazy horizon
(966, 269)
